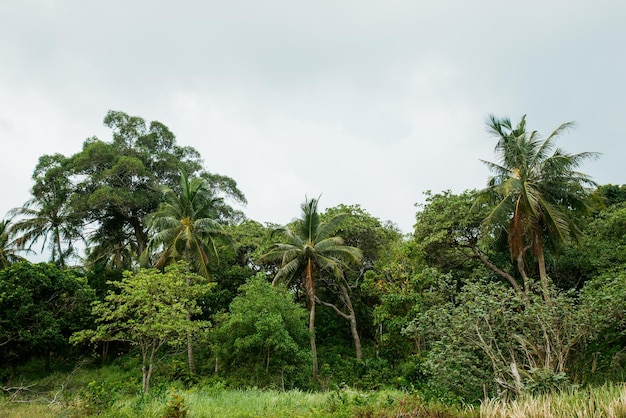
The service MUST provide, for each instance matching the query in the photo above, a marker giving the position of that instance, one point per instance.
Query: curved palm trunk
(192, 364)
(543, 276)
(310, 292)
(344, 296)
(352, 319)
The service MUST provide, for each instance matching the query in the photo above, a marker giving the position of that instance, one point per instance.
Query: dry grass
(603, 402)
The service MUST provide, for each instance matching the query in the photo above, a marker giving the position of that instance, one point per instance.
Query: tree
(309, 249)
(113, 186)
(8, 249)
(183, 229)
(263, 330)
(48, 216)
(535, 187)
(40, 307)
(361, 230)
(149, 309)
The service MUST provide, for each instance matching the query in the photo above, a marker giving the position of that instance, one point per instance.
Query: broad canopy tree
(104, 193)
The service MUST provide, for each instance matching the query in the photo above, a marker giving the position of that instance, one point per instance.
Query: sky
(358, 102)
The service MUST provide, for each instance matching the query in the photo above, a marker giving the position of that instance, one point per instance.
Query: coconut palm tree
(183, 230)
(535, 188)
(307, 249)
(47, 218)
(8, 250)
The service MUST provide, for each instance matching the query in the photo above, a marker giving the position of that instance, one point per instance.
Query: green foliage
(149, 310)
(309, 248)
(534, 191)
(184, 227)
(264, 333)
(175, 407)
(447, 233)
(48, 217)
(491, 338)
(40, 307)
(8, 250)
(112, 187)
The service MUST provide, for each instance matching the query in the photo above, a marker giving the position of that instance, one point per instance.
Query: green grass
(113, 392)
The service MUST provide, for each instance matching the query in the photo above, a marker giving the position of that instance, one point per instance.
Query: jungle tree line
(489, 293)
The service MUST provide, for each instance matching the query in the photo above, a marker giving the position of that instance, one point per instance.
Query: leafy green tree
(535, 188)
(113, 186)
(448, 237)
(184, 231)
(264, 330)
(149, 309)
(491, 338)
(361, 230)
(309, 248)
(40, 307)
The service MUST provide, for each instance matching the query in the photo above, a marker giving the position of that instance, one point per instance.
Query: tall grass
(110, 392)
(608, 401)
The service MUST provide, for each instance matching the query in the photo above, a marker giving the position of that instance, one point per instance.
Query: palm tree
(310, 248)
(535, 188)
(183, 230)
(112, 245)
(49, 218)
(8, 251)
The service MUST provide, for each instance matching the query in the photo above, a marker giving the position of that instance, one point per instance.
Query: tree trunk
(345, 297)
(543, 276)
(312, 336)
(350, 317)
(522, 271)
(192, 364)
(476, 253)
(310, 291)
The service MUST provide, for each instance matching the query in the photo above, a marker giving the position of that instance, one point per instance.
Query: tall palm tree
(307, 250)
(49, 219)
(535, 187)
(183, 230)
(8, 250)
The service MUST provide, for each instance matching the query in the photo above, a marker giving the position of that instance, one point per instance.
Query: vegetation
(490, 307)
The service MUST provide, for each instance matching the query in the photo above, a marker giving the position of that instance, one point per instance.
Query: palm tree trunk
(192, 365)
(522, 271)
(310, 291)
(543, 276)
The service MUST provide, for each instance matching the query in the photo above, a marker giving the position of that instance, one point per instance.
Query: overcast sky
(364, 102)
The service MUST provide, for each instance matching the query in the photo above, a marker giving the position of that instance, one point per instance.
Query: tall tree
(361, 230)
(8, 249)
(308, 249)
(183, 227)
(184, 231)
(535, 188)
(113, 186)
(48, 217)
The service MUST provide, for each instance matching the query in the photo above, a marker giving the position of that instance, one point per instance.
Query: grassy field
(108, 392)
